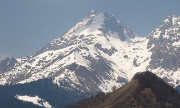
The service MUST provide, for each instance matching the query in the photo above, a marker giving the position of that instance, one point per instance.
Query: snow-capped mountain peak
(99, 53)
(89, 31)
(175, 20)
(98, 24)
(164, 43)
(169, 29)
(88, 46)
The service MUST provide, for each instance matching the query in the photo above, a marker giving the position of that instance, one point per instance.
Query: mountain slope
(7, 100)
(164, 43)
(144, 90)
(166, 39)
(7, 64)
(49, 94)
(97, 54)
(86, 49)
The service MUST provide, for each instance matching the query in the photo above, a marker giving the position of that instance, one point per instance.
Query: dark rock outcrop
(7, 63)
(145, 90)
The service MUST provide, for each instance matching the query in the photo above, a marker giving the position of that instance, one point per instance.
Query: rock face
(165, 44)
(128, 32)
(144, 90)
(100, 53)
(8, 63)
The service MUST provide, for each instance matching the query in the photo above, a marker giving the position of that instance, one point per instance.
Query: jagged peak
(101, 21)
(170, 23)
(103, 15)
(95, 24)
(173, 19)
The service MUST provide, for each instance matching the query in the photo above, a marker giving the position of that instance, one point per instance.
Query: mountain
(166, 39)
(78, 62)
(7, 64)
(164, 43)
(82, 57)
(97, 54)
(145, 90)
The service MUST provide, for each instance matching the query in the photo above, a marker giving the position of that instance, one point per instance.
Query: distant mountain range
(95, 55)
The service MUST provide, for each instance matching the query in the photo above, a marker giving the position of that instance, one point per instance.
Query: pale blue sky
(27, 25)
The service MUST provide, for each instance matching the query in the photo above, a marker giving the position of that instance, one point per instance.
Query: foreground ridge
(144, 90)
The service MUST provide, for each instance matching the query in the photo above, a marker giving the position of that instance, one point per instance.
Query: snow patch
(177, 44)
(35, 100)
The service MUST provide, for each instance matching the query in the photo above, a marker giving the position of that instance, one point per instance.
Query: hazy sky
(27, 25)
